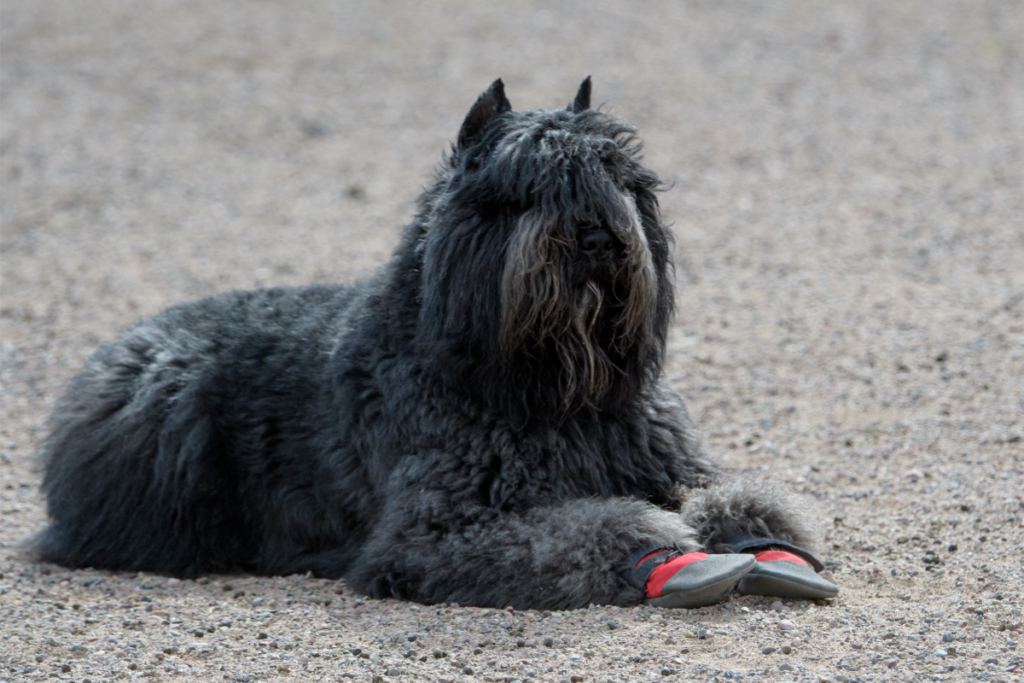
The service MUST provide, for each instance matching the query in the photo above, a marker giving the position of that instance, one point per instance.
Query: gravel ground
(847, 194)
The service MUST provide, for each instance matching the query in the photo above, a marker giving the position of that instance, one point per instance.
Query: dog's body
(483, 422)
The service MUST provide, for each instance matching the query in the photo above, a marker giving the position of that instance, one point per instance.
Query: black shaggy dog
(483, 422)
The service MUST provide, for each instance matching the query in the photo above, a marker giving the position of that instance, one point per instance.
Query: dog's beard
(596, 319)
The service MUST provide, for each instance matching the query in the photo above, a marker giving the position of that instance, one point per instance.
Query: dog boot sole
(704, 583)
(784, 579)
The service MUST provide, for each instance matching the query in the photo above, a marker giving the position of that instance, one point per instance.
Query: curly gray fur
(759, 506)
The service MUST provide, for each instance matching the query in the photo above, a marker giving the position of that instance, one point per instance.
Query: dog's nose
(598, 243)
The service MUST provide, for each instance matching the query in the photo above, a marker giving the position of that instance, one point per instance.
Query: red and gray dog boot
(782, 570)
(672, 578)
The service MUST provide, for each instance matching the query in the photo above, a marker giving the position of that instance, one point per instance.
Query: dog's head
(545, 264)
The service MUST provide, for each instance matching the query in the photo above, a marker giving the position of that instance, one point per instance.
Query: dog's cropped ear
(582, 101)
(488, 106)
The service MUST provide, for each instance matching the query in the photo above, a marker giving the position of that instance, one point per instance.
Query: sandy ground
(848, 196)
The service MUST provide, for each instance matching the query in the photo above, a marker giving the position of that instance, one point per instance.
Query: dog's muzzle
(599, 244)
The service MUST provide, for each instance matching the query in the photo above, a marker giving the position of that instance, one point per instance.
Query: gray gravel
(847, 195)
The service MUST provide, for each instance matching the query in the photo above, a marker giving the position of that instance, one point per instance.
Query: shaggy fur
(484, 422)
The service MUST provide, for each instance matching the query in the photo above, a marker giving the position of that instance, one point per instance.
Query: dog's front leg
(432, 546)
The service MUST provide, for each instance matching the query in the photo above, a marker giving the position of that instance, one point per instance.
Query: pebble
(786, 667)
(787, 649)
(947, 637)
(785, 625)
(767, 650)
(548, 641)
(612, 624)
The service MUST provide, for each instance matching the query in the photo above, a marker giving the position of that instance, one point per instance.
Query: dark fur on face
(483, 422)
(562, 329)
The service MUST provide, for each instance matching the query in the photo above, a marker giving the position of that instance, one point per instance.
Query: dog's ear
(488, 106)
(582, 101)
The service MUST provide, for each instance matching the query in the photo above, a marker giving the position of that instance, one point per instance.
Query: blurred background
(844, 179)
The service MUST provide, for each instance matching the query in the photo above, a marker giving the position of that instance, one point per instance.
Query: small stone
(786, 667)
(576, 678)
(548, 641)
(612, 624)
(767, 650)
(468, 671)
(992, 660)
(947, 637)
(892, 663)
(356, 651)
(787, 649)
(667, 671)
(394, 672)
(440, 654)
(261, 636)
(785, 625)
(66, 668)
(941, 654)
(411, 637)
(702, 633)
(857, 646)
(520, 643)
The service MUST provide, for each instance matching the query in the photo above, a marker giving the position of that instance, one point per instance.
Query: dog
(483, 422)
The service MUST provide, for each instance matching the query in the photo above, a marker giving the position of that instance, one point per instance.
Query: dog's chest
(521, 469)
